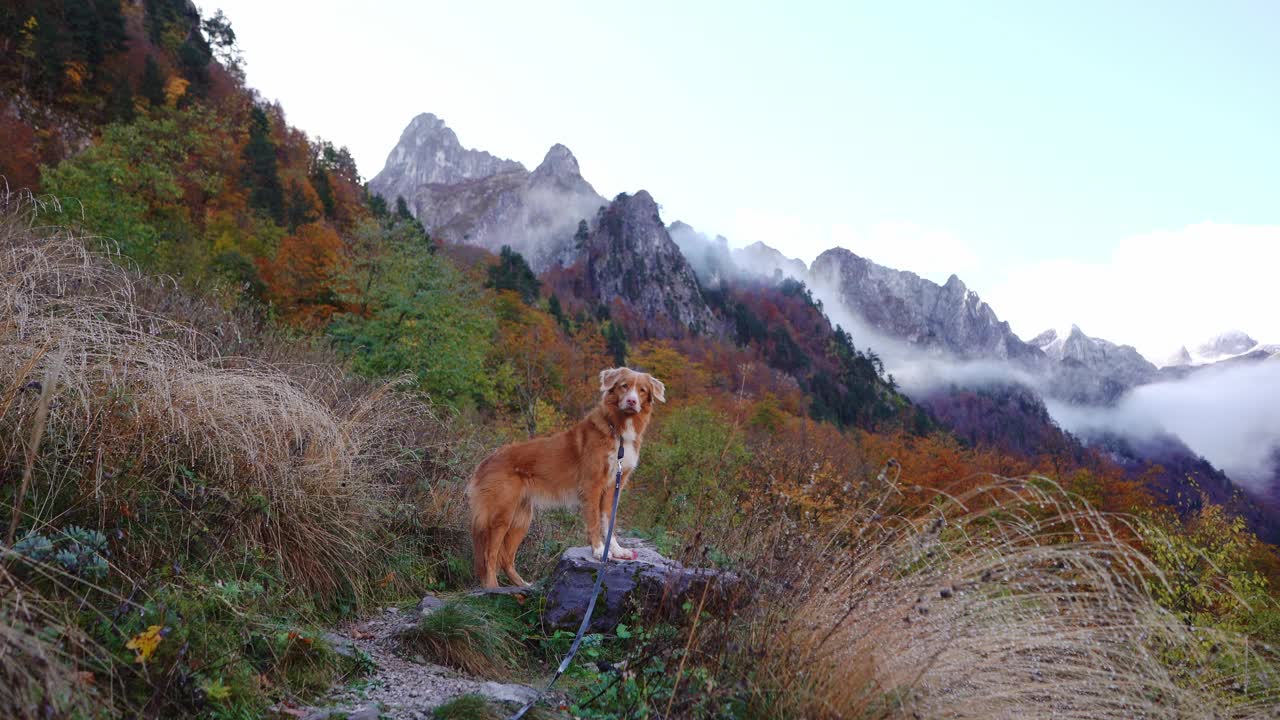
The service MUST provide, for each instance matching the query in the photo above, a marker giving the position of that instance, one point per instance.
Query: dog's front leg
(616, 551)
(591, 490)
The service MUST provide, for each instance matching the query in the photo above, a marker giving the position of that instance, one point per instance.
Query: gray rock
(507, 692)
(651, 583)
(344, 646)
(429, 604)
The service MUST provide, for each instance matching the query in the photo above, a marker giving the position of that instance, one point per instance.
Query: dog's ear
(659, 390)
(609, 377)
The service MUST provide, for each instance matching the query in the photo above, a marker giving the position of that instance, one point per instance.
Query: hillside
(244, 391)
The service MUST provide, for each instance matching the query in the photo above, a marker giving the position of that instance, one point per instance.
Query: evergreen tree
(114, 36)
(557, 312)
(513, 273)
(264, 177)
(120, 101)
(152, 87)
(84, 30)
(615, 340)
(48, 51)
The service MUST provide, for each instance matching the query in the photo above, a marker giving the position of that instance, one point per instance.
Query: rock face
(1092, 371)
(429, 154)
(949, 317)
(471, 196)
(651, 582)
(629, 254)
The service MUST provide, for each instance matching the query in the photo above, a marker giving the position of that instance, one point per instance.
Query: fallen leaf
(145, 643)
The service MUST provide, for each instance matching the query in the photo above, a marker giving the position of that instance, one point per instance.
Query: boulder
(651, 583)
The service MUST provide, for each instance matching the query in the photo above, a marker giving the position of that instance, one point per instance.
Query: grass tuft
(468, 707)
(466, 635)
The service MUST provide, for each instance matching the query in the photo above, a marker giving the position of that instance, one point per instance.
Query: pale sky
(1113, 165)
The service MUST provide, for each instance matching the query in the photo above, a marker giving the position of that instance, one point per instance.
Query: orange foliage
(303, 278)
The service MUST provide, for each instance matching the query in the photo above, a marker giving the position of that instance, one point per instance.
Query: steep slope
(470, 196)
(950, 318)
(769, 262)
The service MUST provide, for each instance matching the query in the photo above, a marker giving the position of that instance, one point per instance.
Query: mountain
(628, 254)
(710, 258)
(429, 153)
(470, 196)
(1180, 358)
(715, 263)
(1092, 371)
(769, 262)
(949, 318)
(1228, 344)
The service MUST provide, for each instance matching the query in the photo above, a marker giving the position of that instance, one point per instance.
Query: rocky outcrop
(429, 154)
(1092, 371)
(628, 254)
(950, 318)
(650, 583)
(473, 197)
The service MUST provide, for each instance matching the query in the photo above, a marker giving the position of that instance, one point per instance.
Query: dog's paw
(622, 553)
(598, 553)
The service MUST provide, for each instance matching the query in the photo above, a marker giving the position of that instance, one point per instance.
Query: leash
(595, 593)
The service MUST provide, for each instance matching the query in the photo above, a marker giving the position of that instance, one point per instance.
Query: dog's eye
(623, 386)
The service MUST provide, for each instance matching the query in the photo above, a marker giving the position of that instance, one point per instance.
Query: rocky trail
(398, 686)
(403, 686)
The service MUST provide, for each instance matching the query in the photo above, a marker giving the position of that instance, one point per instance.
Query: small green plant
(78, 551)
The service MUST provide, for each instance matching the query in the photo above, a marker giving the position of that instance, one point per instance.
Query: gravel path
(400, 688)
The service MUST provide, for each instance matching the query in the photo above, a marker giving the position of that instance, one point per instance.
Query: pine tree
(152, 87)
(513, 273)
(615, 339)
(264, 176)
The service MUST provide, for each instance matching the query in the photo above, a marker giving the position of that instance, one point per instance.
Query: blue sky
(1039, 150)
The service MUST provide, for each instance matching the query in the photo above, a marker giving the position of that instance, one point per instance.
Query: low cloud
(1228, 415)
(1156, 291)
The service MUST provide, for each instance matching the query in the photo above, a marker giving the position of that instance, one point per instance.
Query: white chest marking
(630, 456)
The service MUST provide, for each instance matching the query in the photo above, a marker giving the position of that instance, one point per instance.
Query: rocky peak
(429, 153)
(1228, 344)
(558, 162)
(1092, 370)
(629, 254)
(903, 305)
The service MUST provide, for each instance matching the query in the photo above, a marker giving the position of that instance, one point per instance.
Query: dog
(570, 468)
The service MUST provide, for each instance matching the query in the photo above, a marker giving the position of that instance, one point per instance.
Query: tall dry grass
(149, 410)
(1012, 600)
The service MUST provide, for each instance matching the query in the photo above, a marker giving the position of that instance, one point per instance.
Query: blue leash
(595, 593)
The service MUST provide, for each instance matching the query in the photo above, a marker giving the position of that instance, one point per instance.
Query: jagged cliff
(471, 196)
(904, 305)
(629, 254)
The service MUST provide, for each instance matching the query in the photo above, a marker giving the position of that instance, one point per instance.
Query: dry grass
(149, 410)
(1013, 600)
(39, 655)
